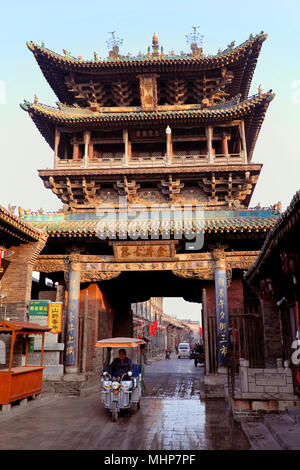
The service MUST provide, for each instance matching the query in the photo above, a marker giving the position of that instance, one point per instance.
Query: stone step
(259, 436)
(285, 430)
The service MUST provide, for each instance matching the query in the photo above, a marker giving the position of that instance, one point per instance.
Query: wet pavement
(174, 416)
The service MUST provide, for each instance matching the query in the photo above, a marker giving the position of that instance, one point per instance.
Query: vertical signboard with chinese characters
(55, 317)
(72, 319)
(222, 317)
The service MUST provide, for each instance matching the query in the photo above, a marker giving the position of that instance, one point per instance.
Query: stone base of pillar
(214, 385)
(71, 370)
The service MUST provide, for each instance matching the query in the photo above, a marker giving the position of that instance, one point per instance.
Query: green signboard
(38, 307)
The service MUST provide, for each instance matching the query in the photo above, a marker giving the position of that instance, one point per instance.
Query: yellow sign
(55, 317)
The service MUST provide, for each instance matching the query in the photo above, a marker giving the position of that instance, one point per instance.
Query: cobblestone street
(174, 416)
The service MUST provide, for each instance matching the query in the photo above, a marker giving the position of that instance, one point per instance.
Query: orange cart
(22, 381)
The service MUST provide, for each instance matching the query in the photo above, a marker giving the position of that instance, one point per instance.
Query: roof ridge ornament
(155, 46)
(195, 40)
(114, 43)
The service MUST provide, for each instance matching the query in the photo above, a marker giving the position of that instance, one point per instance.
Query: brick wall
(17, 278)
(235, 295)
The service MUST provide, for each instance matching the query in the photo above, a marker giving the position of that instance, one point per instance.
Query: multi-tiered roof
(157, 128)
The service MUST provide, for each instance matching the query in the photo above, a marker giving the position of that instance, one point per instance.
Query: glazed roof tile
(241, 59)
(227, 55)
(252, 109)
(19, 226)
(214, 221)
(287, 220)
(75, 115)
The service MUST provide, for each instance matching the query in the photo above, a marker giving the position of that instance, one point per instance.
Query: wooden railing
(152, 161)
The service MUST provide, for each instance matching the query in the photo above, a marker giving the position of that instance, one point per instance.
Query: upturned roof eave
(46, 118)
(80, 115)
(19, 226)
(253, 274)
(73, 63)
(54, 65)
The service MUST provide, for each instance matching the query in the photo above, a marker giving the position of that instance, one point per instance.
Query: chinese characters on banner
(55, 317)
(72, 319)
(222, 317)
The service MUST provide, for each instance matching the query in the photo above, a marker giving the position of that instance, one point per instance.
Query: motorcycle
(198, 358)
(168, 354)
(119, 393)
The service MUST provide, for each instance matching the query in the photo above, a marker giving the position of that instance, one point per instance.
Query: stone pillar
(221, 309)
(205, 331)
(71, 348)
(272, 333)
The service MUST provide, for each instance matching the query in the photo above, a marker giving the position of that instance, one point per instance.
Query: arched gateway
(153, 162)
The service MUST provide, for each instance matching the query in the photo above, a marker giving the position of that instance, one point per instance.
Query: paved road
(173, 416)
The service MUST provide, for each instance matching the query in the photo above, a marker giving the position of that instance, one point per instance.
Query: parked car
(183, 350)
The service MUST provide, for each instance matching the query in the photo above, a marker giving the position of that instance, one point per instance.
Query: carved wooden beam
(171, 187)
(176, 91)
(122, 93)
(127, 188)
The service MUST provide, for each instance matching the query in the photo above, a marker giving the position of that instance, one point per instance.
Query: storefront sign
(55, 317)
(38, 307)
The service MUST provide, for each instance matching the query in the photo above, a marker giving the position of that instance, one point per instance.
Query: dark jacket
(118, 368)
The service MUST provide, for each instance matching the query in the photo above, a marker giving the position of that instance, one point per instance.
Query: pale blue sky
(82, 27)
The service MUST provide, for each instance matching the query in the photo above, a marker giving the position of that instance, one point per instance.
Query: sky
(83, 27)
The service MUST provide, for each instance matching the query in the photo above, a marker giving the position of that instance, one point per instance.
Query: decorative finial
(155, 46)
(260, 90)
(154, 40)
(36, 99)
(67, 54)
(195, 40)
(96, 58)
(114, 43)
(231, 46)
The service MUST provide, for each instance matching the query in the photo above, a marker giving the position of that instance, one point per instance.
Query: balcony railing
(151, 161)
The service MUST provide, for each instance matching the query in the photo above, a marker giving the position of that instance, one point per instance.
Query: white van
(183, 350)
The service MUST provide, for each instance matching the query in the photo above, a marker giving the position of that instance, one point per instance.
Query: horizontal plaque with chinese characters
(144, 251)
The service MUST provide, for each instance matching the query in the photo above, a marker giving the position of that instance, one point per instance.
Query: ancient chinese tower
(140, 134)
